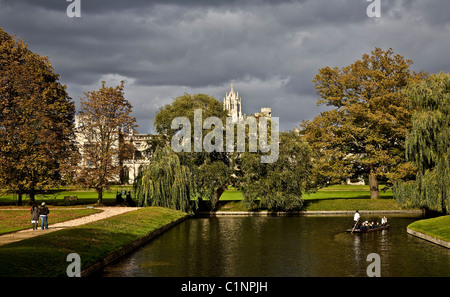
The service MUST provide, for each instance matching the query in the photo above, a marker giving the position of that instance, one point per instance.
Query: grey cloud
(105, 6)
(271, 49)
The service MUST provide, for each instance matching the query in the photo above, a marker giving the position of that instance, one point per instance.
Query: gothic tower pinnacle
(232, 103)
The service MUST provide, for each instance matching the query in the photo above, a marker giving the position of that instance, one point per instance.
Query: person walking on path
(43, 212)
(34, 216)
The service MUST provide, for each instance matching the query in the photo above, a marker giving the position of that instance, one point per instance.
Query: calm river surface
(282, 246)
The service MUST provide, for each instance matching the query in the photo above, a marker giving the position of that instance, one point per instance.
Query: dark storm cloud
(271, 49)
(106, 6)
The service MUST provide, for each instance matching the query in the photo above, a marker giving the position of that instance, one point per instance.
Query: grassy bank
(45, 255)
(436, 227)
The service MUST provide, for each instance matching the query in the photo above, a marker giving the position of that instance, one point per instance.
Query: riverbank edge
(114, 256)
(429, 238)
(309, 212)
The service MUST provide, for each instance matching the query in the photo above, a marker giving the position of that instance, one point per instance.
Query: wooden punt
(385, 227)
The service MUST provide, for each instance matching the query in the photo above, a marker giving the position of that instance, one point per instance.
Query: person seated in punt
(364, 226)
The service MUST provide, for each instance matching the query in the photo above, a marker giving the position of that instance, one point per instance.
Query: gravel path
(24, 234)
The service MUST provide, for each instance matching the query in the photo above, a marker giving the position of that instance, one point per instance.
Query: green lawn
(85, 196)
(231, 194)
(89, 196)
(437, 227)
(346, 192)
(337, 197)
(332, 192)
(351, 204)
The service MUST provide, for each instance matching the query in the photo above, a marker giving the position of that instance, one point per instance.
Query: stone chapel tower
(232, 103)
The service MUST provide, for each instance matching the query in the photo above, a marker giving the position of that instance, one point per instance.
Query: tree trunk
(31, 197)
(444, 209)
(216, 196)
(373, 185)
(100, 195)
(19, 198)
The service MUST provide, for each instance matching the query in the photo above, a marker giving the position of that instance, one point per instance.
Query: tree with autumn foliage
(36, 121)
(364, 134)
(103, 121)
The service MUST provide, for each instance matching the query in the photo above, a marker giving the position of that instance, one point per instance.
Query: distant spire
(232, 103)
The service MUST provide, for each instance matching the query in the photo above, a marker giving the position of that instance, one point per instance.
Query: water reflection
(282, 246)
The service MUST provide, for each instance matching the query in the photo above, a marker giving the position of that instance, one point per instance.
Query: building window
(137, 155)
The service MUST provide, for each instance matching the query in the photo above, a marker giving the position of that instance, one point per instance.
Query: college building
(141, 143)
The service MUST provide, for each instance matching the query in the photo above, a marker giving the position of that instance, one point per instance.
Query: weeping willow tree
(428, 145)
(165, 182)
(278, 186)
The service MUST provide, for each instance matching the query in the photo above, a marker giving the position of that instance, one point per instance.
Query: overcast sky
(270, 49)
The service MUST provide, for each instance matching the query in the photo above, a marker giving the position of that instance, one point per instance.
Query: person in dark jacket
(43, 213)
(34, 216)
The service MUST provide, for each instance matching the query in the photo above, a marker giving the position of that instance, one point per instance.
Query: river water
(282, 246)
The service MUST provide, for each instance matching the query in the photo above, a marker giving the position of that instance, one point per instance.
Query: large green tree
(211, 171)
(428, 145)
(36, 121)
(364, 132)
(278, 185)
(184, 106)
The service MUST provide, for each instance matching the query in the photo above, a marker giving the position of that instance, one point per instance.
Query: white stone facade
(130, 167)
(140, 156)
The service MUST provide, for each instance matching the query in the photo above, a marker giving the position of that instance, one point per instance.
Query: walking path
(28, 233)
